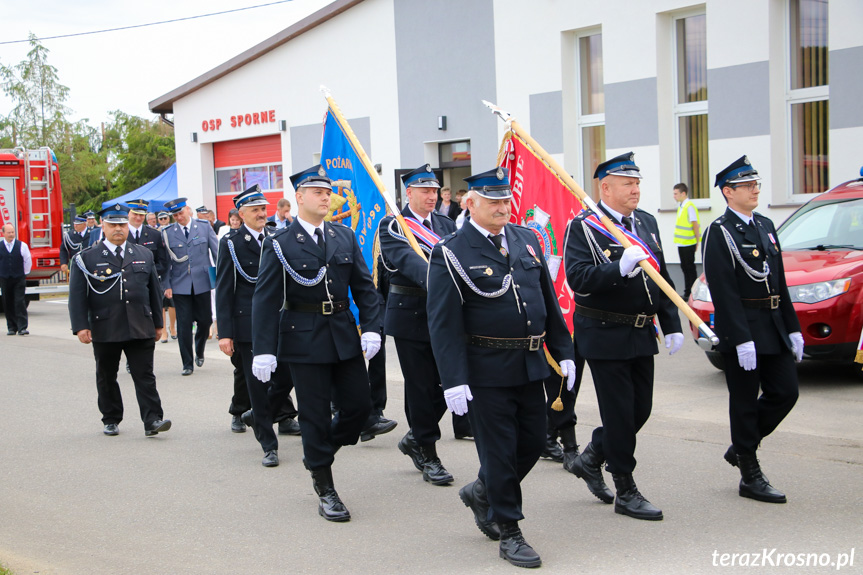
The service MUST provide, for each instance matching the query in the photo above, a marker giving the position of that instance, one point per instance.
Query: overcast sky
(125, 70)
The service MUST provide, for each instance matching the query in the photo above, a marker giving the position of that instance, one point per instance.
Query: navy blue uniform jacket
(535, 312)
(110, 317)
(305, 337)
(600, 286)
(728, 283)
(233, 291)
(406, 315)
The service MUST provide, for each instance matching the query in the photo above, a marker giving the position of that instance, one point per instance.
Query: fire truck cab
(31, 199)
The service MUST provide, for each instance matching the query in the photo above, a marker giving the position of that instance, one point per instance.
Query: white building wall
(352, 54)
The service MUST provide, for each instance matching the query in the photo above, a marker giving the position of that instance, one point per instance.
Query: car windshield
(834, 225)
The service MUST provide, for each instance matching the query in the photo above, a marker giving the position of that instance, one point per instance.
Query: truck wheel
(715, 359)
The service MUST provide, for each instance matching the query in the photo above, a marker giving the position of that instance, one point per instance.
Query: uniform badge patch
(531, 252)
(107, 271)
(607, 253)
(247, 237)
(755, 253)
(488, 271)
(331, 232)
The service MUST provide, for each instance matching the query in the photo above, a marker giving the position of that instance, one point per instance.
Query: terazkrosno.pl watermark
(775, 558)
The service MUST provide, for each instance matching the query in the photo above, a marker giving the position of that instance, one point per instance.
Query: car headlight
(813, 293)
(700, 291)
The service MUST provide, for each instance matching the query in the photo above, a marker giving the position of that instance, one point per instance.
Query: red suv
(822, 245)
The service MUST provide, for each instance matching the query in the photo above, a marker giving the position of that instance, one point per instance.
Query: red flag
(542, 202)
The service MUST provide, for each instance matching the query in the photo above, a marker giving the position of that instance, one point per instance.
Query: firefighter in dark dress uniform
(115, 303)
(616, 303)
(492, 305)
(73, 242)
(306, 270)
(143, 235)
(758, 330)
(236, 276)
(407, 322)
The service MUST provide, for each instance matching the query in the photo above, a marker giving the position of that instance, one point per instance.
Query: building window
(232, 181)
(690, 109)
(807, 110)
(454, 154)
(591, 109)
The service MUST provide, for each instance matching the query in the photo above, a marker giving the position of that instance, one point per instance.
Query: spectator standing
(15, 264)
(687, 234)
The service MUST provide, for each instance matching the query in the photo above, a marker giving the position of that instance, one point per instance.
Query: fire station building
(689, 87)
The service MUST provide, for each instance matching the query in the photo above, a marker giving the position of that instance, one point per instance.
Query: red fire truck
(31, 199)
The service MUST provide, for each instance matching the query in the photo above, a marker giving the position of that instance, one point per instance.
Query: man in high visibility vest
(687, 234)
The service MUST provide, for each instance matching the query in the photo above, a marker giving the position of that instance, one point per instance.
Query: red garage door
(242, 163)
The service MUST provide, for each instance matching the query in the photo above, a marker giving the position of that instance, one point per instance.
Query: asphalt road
(196, 499)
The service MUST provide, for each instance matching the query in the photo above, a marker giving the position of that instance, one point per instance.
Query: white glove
(456, 398)
(371, 344)
(567, 370)
(630, 258)
(674, 341)
(797, 345)
(263, 366)
(746, 355)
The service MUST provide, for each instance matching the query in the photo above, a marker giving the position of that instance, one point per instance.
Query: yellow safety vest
(684, 235)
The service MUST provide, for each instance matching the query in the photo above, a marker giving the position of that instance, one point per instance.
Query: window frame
(583, 121)
(683, 109)
(242, 169)
(799, 96)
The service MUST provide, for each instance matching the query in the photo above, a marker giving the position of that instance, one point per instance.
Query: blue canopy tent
(161, 189)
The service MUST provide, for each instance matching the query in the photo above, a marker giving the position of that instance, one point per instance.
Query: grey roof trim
(165, 104)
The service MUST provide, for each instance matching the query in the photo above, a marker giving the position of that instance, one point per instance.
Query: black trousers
(346, 383)
(378, 382)
(240, 402)
(687, 266)
(558, 420)
(15, 302)
(509, 432)
(624, 391)
(139, 354)
(753, 416)
(195, 308)
(270, 401)
(423, 392)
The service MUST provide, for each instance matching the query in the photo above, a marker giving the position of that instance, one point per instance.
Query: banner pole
(388, 199)
(618, 235)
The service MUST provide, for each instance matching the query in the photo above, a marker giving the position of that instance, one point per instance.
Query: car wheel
(715, 359)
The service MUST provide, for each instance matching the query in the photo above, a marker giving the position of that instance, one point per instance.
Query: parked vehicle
(31, 198)
(822, 245)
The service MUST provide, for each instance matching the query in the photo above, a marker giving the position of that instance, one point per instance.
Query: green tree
(139, 150)
(38, 115)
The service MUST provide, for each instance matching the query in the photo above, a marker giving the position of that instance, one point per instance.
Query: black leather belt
(639, 320)
(405, 290)
(324, 307)
(532, 343)
(771, 302)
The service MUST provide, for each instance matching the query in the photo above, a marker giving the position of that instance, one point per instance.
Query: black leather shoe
(188, 371)
(433, 470)
(271, 459)
(631, 502)
(248, 418)
(237, 425)
(588, 466)
(464, 435)
(330, 506)
(289, 427)
(157, 427)
(199, 361)
(753, 484)
(409, 447)
(11, 332)
(111, 429)
(552, 448)
(23, 332)
(473, 496)
(515, 549)
(381, 426)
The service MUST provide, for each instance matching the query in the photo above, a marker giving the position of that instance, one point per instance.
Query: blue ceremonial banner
(356, 200)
